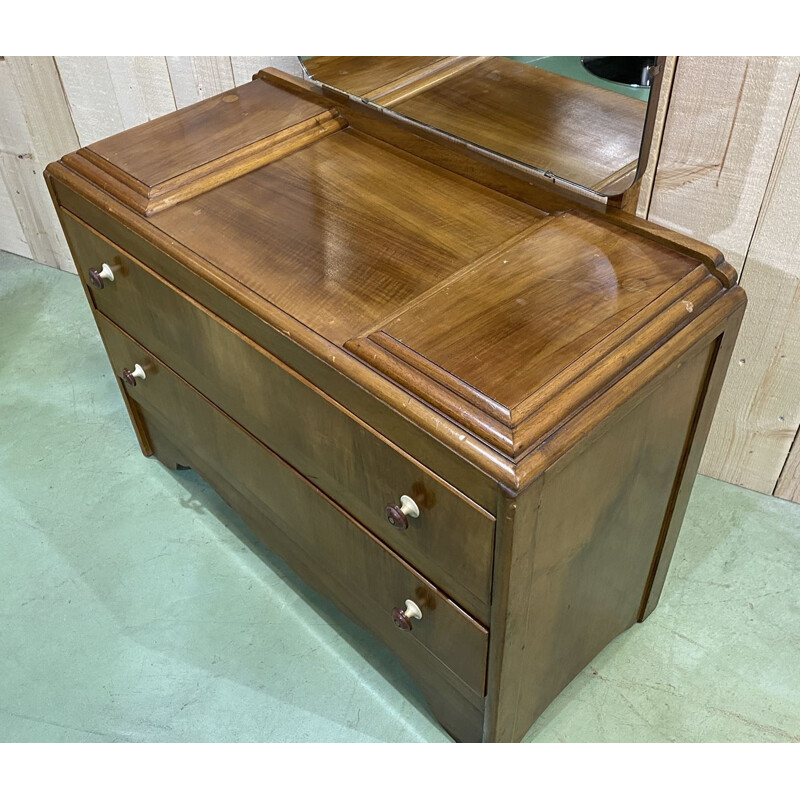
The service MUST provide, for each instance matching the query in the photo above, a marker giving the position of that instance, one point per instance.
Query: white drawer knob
(408, 506)
(99, 277)
(397, 516)
(402, 618)
(130, 376)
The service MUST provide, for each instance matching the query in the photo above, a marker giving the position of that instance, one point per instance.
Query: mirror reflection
(578, 118)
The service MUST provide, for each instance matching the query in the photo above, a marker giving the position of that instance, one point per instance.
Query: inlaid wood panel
(585, 538)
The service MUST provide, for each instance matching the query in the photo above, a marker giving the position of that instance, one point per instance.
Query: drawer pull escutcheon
(397, 516)
(98, 278)
(403, 618)
(130, 377)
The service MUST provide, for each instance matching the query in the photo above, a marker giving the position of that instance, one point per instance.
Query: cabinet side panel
(582, 553)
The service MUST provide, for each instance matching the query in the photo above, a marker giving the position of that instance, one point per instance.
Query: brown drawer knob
(98, 277)
(130, 377)
(397, 516)
(402, 617)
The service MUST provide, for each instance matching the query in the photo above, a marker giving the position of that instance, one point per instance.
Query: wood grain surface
(35, 128)
(760, 405)
(362, 75)
(354, 229)
(726, 174)
(580, 132)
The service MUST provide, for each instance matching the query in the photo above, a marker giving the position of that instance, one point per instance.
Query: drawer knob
(397, 516)
(402, 617)
(130, 377)
(99, 277)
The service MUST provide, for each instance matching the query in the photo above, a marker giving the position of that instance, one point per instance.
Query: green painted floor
(132, 608)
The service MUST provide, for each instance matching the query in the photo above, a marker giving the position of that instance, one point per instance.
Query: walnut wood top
(481, 318)
(580, 132)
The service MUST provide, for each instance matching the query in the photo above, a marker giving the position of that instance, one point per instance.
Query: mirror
(577, 119)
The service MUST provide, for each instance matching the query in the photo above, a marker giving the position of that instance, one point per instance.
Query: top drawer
(452, 539)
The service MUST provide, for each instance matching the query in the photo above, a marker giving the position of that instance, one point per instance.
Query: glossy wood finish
(205, 144)
(363, 75)
(471, 336)
(452, 540)
(377, 318)
(368, 568)
(344, 200)
(577, 131)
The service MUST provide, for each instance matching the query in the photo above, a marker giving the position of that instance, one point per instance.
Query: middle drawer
(452, 539)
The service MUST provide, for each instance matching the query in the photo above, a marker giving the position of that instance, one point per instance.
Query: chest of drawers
(466, 408)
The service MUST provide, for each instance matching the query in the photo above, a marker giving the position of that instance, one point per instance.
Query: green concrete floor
(133, 609)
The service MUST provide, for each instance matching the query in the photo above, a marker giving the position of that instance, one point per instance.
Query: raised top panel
(509, 324)
(555, 301)
(170, 159)
(177, 143)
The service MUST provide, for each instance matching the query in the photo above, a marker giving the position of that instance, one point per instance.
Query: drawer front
(336, 543)
(452, 539)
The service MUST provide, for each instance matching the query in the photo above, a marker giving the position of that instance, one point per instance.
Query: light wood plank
(35, 128)
(108, 95)
(649, 175)
(195, 78)
(789, 483)
(244, 67)
(759, 411)
(12, 238)
(724, 123)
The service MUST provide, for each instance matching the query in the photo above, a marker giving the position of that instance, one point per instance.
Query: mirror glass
(578, 118)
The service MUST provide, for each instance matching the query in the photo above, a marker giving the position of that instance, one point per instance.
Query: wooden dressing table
(465, 405)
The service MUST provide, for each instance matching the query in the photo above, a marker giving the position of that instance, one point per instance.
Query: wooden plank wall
(728, 172)
(724, 168)
(51, 106)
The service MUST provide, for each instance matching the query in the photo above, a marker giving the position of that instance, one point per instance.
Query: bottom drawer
(372, 576)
